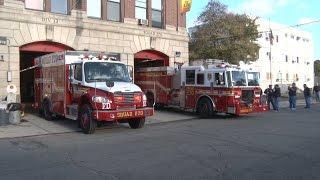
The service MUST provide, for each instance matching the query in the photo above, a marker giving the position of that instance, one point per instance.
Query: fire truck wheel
(204, 108)
(47, 114)
(87, 123)
(137, 123)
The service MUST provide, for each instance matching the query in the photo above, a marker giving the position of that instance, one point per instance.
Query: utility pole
(270, 57)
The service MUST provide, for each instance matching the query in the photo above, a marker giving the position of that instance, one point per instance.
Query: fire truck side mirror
(130, 71)
(71, 72)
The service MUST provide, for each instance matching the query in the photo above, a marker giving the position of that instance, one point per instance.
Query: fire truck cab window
(239, 78)
(200, 79)
(104, 71)
(78, 72)
(190, 76)
(219, 79)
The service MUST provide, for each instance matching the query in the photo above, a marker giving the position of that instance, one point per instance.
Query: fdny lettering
(105, 105)
(190, 91)
(138, 113)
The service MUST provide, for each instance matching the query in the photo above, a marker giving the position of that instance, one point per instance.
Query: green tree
(317, 68)
(224, 35)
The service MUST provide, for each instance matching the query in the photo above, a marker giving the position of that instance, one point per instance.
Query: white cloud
(305, 20)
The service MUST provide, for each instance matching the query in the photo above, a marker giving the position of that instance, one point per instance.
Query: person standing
(307, 96)
(276, 96)
(316, 91)
(293, 96)
(269, 94)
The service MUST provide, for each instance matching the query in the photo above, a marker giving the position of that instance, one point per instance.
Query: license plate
(128, 114)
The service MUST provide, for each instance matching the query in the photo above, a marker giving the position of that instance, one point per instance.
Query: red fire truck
(206, 90)
(89, 87)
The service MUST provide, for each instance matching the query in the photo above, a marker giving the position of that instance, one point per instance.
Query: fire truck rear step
(72, 112)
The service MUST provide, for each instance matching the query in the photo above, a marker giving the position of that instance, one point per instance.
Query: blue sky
(288, 12)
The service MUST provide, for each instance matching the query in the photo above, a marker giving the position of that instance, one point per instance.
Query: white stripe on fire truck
(152, 83)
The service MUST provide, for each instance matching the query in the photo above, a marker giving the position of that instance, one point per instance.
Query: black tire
(137, 123)
(46, 111)
(87, 123)
(205, 108)
(150, 99)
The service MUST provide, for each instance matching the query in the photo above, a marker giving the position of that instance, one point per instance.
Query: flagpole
(270, 58)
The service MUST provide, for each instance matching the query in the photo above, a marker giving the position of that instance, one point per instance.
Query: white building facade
(292, 56)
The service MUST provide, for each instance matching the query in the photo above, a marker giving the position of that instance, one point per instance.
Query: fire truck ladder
(29, 68)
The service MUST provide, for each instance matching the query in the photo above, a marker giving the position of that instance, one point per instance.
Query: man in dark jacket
(316, 91)
(292, 96)
(307, 96)
(276, 96)
(269, 93)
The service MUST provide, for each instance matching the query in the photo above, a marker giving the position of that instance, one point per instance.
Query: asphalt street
(281, 145)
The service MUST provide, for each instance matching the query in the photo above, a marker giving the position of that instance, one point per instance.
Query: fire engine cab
(89, 87)
(206, 90)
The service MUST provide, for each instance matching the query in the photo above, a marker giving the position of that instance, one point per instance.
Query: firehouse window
(94, 8)
(34, 4)
(219, 78)
(113, 10)
(59, 6)
(190, 76)
(200, 79)
(157, 13)
(78, 72)
(141, 9)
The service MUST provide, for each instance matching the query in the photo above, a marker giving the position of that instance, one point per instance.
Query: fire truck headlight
(100, 99)
(144, 100)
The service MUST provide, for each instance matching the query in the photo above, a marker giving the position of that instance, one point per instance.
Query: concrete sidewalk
(33, 125)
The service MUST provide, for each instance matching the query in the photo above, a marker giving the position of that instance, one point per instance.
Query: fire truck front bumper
(242, 110)
(102, 115)
(262, 108)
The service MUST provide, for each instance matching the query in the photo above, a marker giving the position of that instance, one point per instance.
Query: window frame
(161, 12)
(120, 13)
(203, 79)
(43, 6)
(146, 9)
(67, 7)
(219, 75)
(75, 75)
(93, 17)
(192, 82)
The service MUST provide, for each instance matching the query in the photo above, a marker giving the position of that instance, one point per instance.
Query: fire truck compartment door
(76, 75)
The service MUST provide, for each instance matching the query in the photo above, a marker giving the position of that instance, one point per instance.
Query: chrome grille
(247, 96)
(128, 98)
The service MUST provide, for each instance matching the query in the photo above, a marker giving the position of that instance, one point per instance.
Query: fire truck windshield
(239, 78)
(253, 78)
(105, 71)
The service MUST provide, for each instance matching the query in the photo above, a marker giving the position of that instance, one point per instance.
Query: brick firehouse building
(138, 32)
